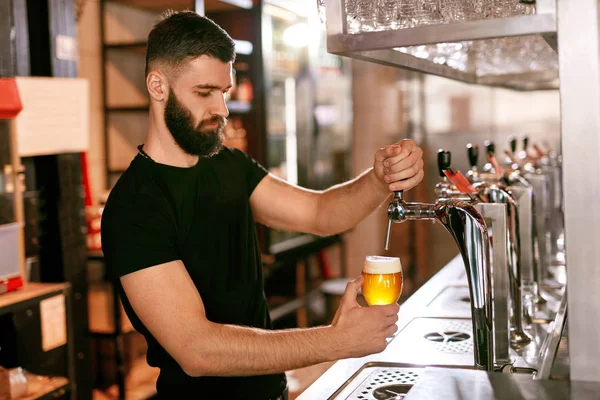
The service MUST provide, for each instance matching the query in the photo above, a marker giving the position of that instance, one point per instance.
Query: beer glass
(382, 280)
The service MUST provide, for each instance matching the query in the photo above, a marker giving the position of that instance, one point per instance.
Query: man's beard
(194, 140)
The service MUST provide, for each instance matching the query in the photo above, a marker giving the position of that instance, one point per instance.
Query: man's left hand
(400, 165)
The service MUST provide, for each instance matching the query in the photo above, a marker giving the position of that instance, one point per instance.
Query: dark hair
(181, 36)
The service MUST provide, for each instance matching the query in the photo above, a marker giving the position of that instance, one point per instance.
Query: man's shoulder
(233, 154)
(134, 191)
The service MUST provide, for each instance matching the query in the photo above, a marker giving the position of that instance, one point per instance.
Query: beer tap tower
(467, 227)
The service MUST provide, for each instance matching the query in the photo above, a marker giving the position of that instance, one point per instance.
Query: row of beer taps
(501, 220)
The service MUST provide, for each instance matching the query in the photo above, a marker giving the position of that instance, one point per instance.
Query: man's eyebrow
(209, 86)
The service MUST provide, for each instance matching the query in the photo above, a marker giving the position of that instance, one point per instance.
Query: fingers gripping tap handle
(398, 196)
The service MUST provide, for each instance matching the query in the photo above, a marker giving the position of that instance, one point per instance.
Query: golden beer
(382, 280)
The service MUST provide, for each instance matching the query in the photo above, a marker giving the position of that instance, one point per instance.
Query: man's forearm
(343, 206)
(229, 350)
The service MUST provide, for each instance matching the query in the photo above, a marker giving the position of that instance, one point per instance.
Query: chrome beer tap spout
(467, 227)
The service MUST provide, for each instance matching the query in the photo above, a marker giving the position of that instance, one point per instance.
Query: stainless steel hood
(491, 42)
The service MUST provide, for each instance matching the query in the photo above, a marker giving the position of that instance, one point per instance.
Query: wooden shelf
(46, 388)
(29, 294)
(210, 6)
(302, 246)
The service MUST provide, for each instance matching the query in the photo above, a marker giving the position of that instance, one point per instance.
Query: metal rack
(573, 28)
(393, 47)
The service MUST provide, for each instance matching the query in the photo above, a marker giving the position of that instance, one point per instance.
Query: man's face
(195, 112)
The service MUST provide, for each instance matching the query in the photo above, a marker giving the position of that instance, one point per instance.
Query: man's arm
(169, 305)
(278, 204)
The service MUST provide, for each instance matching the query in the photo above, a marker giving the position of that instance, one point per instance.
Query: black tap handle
(473, 153)
(513, 144)
(525, 143)
(444, 161)
(490, 147)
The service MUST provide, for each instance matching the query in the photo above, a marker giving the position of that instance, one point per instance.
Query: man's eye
(203, 94)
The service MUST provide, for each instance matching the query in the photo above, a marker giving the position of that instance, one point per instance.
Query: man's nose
(220, 108)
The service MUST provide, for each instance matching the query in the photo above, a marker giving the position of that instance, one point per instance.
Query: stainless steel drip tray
(380, 381)
(453, 301)
(434, 341)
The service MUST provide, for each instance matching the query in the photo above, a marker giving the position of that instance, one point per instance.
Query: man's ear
(157, 86)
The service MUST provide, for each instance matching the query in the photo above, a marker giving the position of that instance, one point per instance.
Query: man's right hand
(363, 330)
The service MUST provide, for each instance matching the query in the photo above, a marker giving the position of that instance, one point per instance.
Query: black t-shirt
(201, 215)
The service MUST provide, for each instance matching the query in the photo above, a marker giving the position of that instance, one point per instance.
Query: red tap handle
(459, 180)
(539, 151)
(492, 159)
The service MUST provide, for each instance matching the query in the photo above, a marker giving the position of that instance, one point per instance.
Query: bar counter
(445, 383)
(414, 306)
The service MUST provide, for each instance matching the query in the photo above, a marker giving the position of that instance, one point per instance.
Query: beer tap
(511, 156)
(535, 180)
(492, 192)
(509, 176)
(400, 211)
(473, 155)
(467, 228)
(511, 161)
(522, 190)
(493, 161)
(524, 155)
(529, 162)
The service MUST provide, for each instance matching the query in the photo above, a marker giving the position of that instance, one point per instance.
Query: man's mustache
(214, 120)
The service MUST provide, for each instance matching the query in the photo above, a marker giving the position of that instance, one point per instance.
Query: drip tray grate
(435, 341)
(386, 383)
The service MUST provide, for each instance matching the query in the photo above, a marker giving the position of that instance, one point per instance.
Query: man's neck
(161, 147)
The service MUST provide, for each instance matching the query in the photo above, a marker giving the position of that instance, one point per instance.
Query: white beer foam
(382, 265)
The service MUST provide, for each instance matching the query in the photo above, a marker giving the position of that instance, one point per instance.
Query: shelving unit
(407, 47)
(30, 295)
(123, 59)
(26, 299)
(108, 322)
(297, 252)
